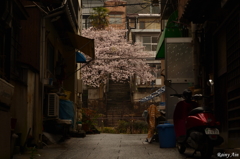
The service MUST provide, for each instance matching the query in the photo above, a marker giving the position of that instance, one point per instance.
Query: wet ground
(109, 146)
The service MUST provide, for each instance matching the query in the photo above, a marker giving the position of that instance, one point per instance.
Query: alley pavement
(108, 146)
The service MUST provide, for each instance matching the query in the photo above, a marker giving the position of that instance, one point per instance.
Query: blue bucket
(166, 134)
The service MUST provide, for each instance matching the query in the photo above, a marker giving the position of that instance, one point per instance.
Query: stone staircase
(118, 102)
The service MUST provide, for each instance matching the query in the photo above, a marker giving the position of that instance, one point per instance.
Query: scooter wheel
(181, 148)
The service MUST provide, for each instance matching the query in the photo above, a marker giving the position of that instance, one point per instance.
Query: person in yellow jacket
(153, 114)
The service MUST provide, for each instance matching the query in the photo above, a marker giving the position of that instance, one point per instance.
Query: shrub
(122, 126)
(109, 130)
(139, 127)
(136, 127)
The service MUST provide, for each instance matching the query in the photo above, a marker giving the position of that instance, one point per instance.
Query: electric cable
(133, 4)
(125, 18)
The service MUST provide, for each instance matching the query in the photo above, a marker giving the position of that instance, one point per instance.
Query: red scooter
(201, 131)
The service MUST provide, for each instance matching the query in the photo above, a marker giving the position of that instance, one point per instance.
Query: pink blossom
(115, 58)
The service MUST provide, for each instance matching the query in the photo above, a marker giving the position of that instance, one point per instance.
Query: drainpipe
(160, 6)
(42, 57)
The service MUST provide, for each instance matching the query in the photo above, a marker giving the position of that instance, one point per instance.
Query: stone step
(113, 82)
(116, 95)
(118, 101)
(117, 91)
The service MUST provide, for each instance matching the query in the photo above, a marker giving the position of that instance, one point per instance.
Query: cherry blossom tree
(115, 58)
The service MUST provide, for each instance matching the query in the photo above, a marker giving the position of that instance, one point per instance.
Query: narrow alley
(109, 146)
(100, 74)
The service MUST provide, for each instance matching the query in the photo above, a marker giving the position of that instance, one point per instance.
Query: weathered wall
(150, 23)
(19, 110)
(117, 10)
(5, 134)
(30, 39)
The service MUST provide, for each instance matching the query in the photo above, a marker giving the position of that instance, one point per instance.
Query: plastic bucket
(166, 134)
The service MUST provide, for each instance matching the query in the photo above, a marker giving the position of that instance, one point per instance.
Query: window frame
(142, 25)
(114, 17)
(150, 43)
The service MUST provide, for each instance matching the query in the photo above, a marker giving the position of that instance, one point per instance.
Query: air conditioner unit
(158, 81)
(79, 86)
(53, 105)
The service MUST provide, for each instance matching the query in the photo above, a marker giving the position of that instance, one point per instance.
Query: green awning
(161, 46)
(171, 30)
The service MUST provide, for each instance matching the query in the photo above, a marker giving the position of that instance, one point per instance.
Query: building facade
(145, 29)
(87, 10)
(213, 27)
(12, 76)
(117, 13)
(39, 43)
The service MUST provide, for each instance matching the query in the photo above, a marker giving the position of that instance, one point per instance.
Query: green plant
(140, 127)
(122, 126)
(33, 152)
(99, 18)
(88, 116)
(111, 130)
(135, 127)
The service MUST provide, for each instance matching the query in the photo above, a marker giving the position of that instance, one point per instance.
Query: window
(132, 23)
(155, 9)
(155, 71)
(156, 67)
(50, 56)
(115, 19)
(86, 22)
(150, 43)
(141, 25)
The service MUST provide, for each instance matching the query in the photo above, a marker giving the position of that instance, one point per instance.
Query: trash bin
(166, 134)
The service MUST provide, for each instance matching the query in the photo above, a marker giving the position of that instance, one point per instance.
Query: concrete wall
(30, 99)
(34, 107)
(150, 23)
(27, 108)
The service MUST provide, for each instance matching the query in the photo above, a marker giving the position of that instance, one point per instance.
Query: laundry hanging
(154, 94)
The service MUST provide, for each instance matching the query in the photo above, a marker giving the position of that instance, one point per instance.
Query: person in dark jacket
(181, 113)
